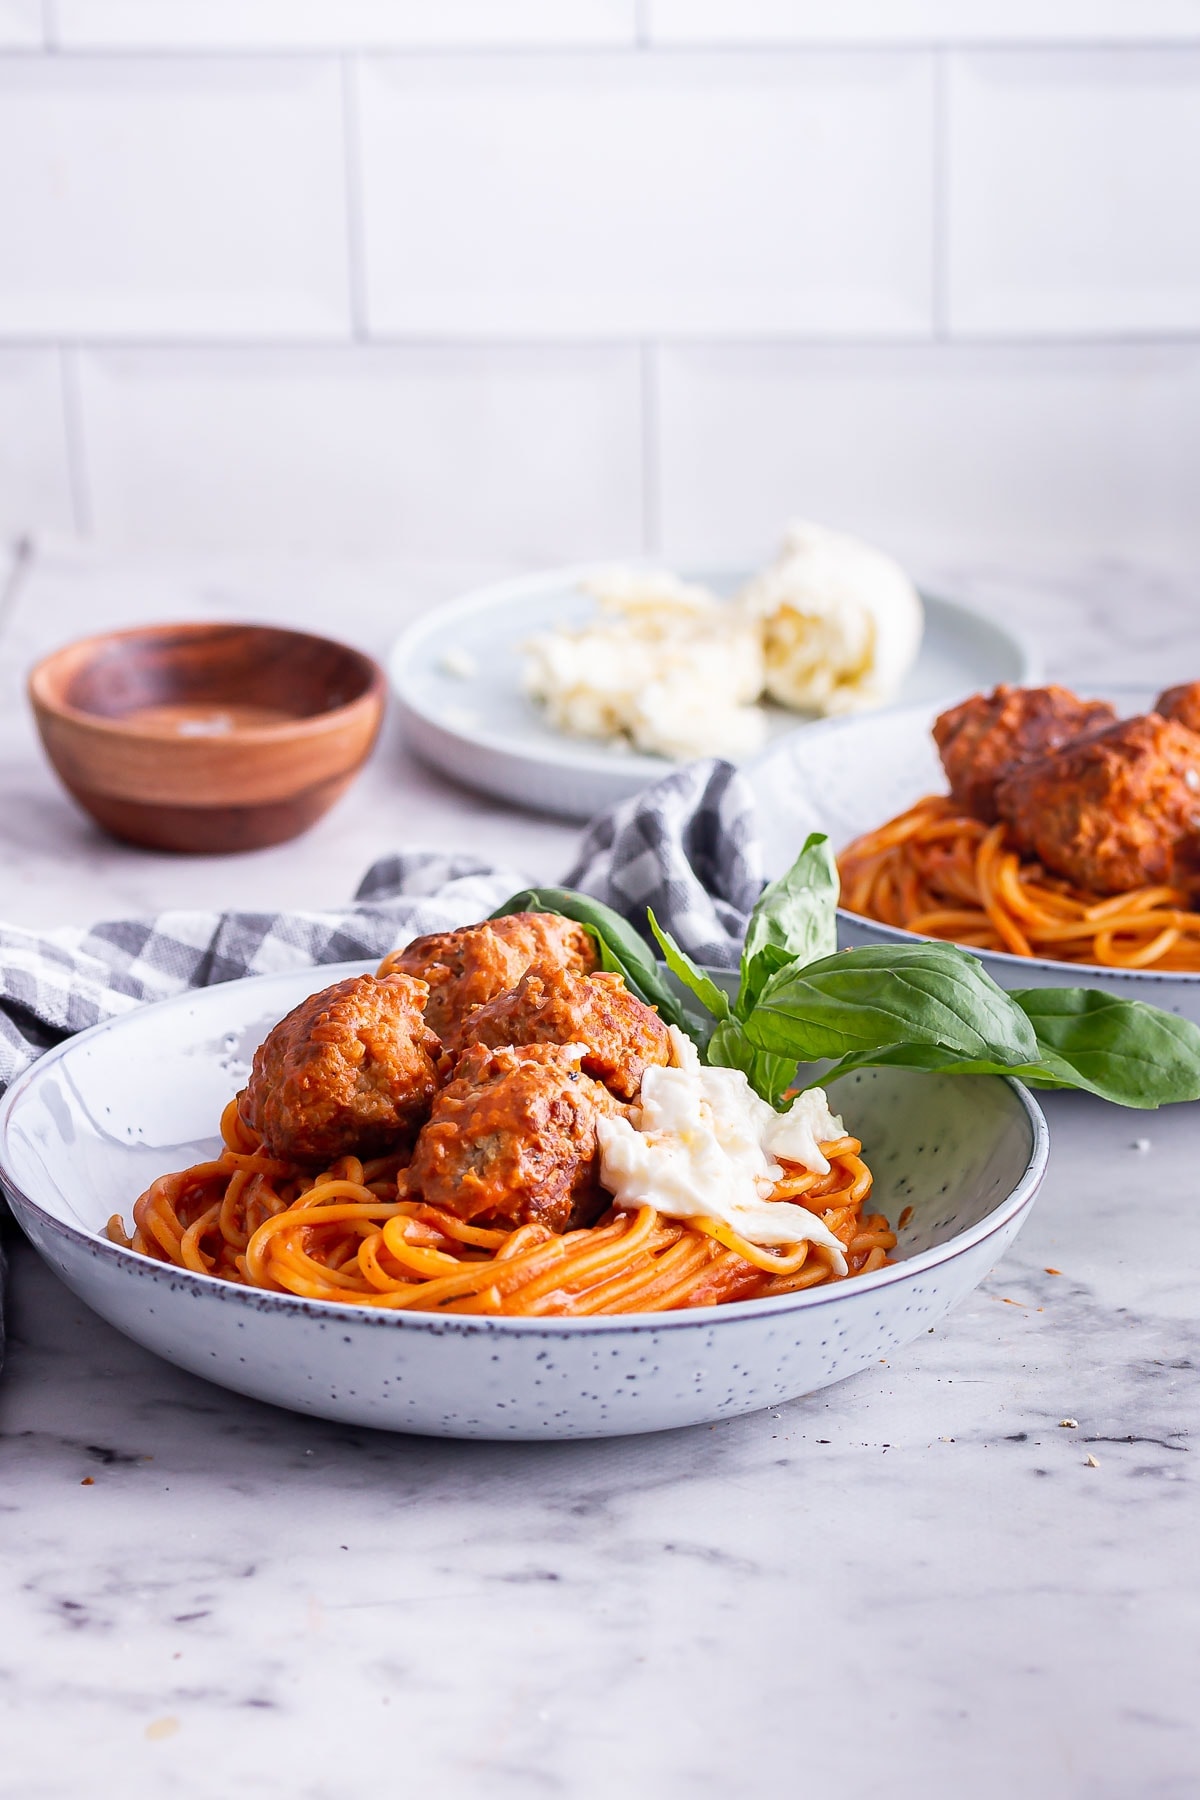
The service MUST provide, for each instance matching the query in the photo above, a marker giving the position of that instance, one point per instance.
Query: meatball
(621, 1035)
(512, 1140)
(1181, 704)
(465, 969)
(984, 738)
(350, 1070)
(1116, 811)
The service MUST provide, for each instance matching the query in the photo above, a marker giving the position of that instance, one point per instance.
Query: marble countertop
(923, 1581)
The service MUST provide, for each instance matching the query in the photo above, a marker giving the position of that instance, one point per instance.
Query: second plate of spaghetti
(1048, 885)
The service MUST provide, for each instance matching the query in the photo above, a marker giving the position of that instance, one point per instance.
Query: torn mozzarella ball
(841, 622)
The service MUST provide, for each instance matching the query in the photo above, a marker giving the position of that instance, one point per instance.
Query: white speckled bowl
(87, 1128)
(847, 776)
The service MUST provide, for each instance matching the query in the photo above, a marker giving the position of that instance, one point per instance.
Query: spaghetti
(938, 871)
(354, 1234)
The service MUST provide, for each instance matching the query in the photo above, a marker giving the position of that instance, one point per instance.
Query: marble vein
(913, 1584)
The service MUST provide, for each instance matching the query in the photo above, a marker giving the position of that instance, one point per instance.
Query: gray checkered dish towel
(687, 847)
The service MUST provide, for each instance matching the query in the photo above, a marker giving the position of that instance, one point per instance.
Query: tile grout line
(554, 342)
(24, 559)
(355, 224)
(636, 46)
(72, 404)
(651, 461)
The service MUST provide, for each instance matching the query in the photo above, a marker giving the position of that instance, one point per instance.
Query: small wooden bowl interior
(207, 737)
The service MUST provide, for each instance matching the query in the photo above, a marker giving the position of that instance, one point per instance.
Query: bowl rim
(371, 698)
(1072, 970)
(822, 729)
(1010, 1207)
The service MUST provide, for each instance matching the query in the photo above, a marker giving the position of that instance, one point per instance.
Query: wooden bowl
(207, 738)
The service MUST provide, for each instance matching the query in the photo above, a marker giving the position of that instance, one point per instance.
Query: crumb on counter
(460, 663)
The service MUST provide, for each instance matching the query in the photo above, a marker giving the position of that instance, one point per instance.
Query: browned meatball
(467, 968)
(351, 1070)
(987, 736)
(1182, 704)
(1115, 811)
(512, 1140)
(623, 1035)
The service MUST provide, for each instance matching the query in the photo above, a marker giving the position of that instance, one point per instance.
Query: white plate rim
(147, 1268)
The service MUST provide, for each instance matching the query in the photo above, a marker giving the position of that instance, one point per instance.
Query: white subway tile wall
(35, 484)
(172, 196)
(20, 24)
(536, 279)
(1076, 448)
(1074, 197)
(648, 194)
(534, 453)
(335, 24)
(919, 21)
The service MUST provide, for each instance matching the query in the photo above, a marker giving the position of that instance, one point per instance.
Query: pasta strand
(352, 1234)
(939, 872)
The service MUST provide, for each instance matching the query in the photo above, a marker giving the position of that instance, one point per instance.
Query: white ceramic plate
(90, 1125)
(479, 727)
(847, 776)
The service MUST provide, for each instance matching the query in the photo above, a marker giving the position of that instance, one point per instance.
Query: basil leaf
(881, 996)
(796, 915)
(1124, 1050)
(757, 970)
(769, 1075)
(689, 973)
(933, 1007)
(1050, 1070)
(620, 949)
(936, 1059)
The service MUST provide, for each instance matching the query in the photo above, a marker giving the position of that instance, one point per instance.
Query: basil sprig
(949, 1015)
(910, 1006)
(930, 1006)
(794, 923)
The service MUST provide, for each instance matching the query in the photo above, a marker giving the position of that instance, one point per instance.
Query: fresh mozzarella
(841, 622)
(667, 668)
(702, 1144)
